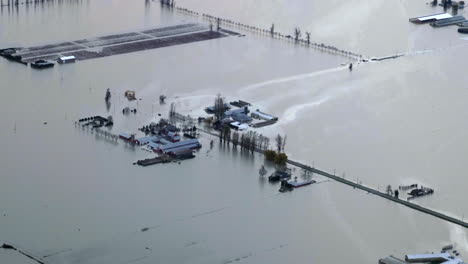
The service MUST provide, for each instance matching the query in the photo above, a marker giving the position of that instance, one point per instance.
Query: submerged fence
(295, 38)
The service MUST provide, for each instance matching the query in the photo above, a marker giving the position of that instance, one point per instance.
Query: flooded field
(70, 196)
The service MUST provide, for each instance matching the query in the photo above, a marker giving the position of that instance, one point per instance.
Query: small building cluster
(445, 19)
(163, 138)
(238, 116)
(97, 121)
(439, 258)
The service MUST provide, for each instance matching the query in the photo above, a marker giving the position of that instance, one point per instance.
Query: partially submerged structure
(42, 64)
(66, 59)
(115, 44)
(127, 137)
(392, 260)
(177, 147)
(432, 258)
(442, 258)
(420, 192)
(279, 175)
(430, 18)
(130, 95)
(264, 116)
(449, 21)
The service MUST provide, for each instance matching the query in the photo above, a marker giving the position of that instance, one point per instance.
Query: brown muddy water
(74, 197)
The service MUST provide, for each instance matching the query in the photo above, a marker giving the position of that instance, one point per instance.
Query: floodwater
(74, 197)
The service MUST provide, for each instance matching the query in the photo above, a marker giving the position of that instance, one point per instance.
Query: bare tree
(284, 142)
(235, 139)
(308, 38)
(172, 110)
(279, 143)
(267, 143)
(260, 141)
(272, 29)
(297, 34)
(162, 99)
(242, 141)
(389, 190)
(253, 141)
(226, 133)
(219, 107)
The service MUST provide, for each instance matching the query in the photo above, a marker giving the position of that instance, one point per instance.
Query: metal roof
(392, 260)
(418, 258)
(431, 17)
(179, 144)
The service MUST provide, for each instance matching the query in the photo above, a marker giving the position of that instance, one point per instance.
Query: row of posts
(296, 37)
(16, 3)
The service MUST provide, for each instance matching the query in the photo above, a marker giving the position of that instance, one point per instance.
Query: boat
(463, 30)
(41, 64)
(295, 183)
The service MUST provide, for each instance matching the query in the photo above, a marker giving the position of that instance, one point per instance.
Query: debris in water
(145, 229)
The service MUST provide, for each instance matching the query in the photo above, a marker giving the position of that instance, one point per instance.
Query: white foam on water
(292, 112)
(290, 78)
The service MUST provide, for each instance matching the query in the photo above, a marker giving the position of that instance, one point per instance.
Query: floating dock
(116, 44)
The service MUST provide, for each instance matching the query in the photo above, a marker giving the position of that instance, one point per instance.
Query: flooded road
(71, 197)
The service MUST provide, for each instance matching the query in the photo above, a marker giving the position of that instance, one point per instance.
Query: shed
(418, 258)
(146, 140)
(126, 136)
(261, 115)
(66, 59)
(392, 260)
(239, 126)
(181, 145)
(242, 118)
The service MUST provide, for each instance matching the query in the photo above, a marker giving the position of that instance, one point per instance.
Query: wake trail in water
(422, 52)
(291, 78)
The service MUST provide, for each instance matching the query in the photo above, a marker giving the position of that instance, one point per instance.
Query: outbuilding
(66, 59)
